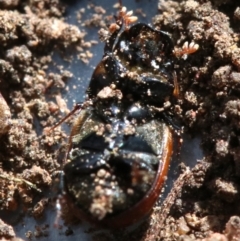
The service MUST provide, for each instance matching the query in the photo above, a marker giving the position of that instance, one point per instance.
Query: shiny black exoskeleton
(120, 147)
(139, 63)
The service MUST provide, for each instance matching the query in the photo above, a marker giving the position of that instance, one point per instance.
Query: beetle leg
(78, 106)
(176, 86)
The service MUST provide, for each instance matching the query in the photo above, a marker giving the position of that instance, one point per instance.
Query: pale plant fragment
(124, 17)
(186, 50)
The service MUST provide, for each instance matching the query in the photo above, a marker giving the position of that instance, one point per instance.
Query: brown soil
(204, 202)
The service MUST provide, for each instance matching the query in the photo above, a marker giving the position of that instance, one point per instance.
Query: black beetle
(119, 146)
